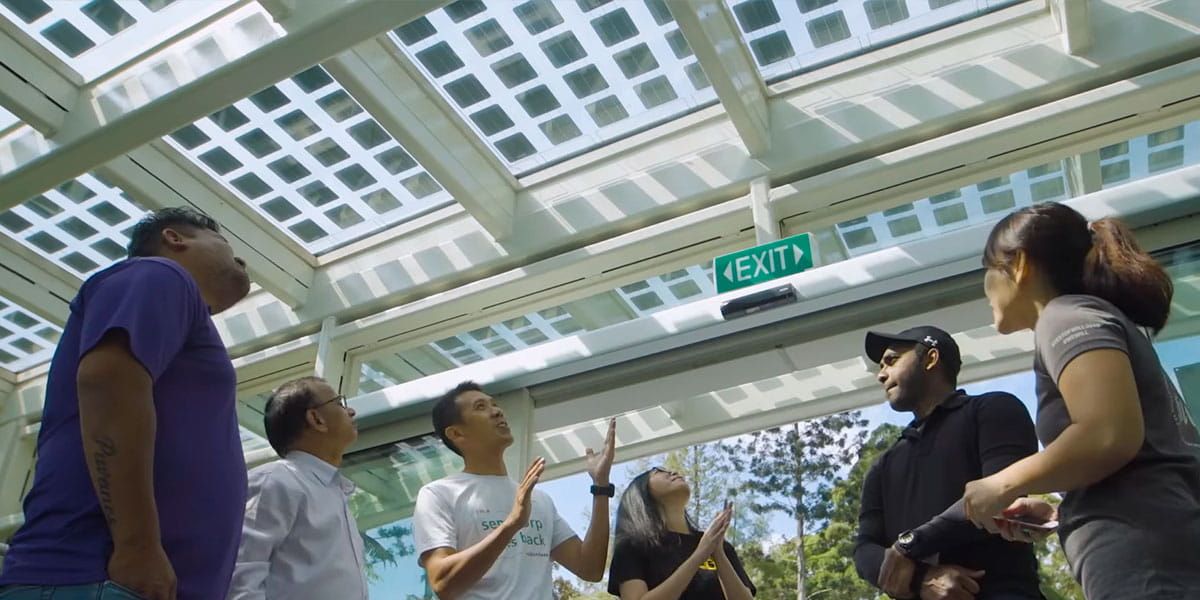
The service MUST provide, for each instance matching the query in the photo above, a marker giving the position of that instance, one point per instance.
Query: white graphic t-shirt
(460, 510)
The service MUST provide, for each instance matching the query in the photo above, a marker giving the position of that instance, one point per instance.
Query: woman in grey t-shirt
(1118, 439)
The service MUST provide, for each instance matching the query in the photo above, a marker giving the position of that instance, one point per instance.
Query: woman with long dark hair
(660, 554)
(1117, 435)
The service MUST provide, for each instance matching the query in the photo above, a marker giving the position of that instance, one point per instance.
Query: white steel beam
(34, 86)
(35, 283)
(156, 176)
(766, 222)
(710, 30)
(85, 143)
(1074, 20)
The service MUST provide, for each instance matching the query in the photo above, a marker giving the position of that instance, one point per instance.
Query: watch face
(905, 538)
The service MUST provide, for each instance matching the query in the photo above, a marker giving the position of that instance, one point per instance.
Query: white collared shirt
(299, 539)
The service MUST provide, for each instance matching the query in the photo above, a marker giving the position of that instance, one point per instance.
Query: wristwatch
(906, 543)
(609, 490)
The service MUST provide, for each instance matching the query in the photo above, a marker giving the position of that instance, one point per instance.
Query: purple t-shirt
(199, 471)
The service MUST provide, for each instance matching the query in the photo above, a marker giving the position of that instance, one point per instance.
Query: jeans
(91, 591)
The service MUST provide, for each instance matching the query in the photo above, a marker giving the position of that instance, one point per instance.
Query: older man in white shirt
(299, 540)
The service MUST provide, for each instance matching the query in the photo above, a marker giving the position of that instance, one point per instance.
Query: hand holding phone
(1029, 522)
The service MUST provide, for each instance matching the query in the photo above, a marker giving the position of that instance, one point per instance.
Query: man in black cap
(914, 540)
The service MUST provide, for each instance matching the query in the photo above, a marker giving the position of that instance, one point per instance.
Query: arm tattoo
(106, 448)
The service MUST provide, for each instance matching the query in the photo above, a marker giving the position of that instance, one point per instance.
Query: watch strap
(609, 490)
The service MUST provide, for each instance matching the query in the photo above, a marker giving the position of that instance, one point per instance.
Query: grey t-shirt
(1148, 510)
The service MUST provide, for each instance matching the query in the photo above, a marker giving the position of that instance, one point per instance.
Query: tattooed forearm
(106, 448)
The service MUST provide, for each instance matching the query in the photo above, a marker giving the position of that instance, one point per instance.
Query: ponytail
(1100, 259)
(1118, 270)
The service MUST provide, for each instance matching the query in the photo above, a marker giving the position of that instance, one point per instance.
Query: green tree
(709, 470)
(831, 574)
(793, 470)
(1057, 581)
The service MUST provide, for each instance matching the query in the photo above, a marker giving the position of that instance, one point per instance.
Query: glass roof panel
(542, 80)
(233, 35)
(789, 36)
(625, 303)
(21, 145)
(80, 225)
(391, 475)
(252, 441)
(1150, 154)
(7, 119)
(26, 339)
(307, 156)
(95, 36)
(984, 201)
(1136, 158)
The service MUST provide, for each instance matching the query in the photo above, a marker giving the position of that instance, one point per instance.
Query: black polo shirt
(925, 472)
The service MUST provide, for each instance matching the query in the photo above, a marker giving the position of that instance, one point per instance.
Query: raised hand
(713, 539)
(600, 465)
(523, 504)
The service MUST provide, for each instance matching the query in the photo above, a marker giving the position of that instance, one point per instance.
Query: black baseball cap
(926, 335)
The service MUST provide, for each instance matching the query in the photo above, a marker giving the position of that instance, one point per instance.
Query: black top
(918, 483)
(632, 562)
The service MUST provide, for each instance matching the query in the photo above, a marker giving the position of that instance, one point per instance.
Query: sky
(571, 496)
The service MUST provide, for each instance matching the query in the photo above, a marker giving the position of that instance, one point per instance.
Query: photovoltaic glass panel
(985, 201)
(80, 225)
(542, 80)
(95, 36)
(621, 304)
(1150, 154)
(25, 338)
(789, 36)
(307, 156)
(7, 119)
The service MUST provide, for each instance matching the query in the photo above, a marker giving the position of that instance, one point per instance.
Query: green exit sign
(763, 263)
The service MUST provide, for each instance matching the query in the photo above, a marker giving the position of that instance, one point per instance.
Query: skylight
(80, 225)
(305, 155)
(94, 36)
(625, 303)
(542, 80)
(7, 119)
(25, 338)
(789, 36)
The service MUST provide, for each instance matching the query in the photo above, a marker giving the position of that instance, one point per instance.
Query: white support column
(1074, 21)
(1083, 173)
(518, 410)
(331, 357)
(35, 283)
(156, 176)
(766, 224)
(711, 31)
(16, 449)
(83, 143)
(35, 88)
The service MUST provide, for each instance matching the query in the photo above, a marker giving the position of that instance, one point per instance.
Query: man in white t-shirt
(483, 536)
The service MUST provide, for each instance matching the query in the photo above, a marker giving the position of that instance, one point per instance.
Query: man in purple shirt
(140, 482)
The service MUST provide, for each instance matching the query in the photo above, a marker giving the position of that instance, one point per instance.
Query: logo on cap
(932, 343)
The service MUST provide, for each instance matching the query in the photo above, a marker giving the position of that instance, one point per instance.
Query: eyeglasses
(665, 472)
(340, 399)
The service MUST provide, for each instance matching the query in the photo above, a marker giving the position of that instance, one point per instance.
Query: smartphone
(1029, 521)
